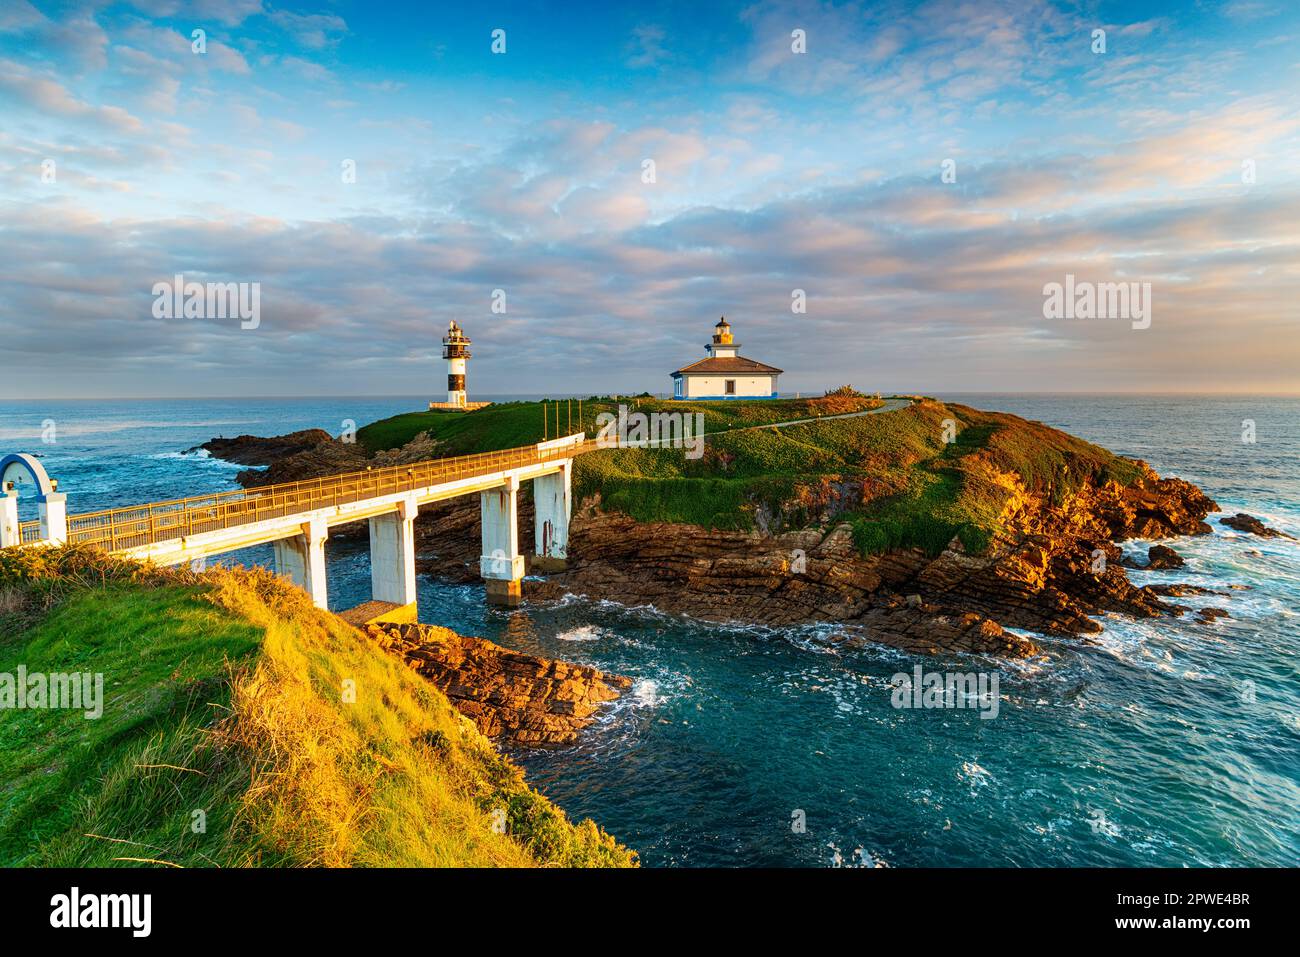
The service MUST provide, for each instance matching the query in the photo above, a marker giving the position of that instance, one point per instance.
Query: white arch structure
(19, 471)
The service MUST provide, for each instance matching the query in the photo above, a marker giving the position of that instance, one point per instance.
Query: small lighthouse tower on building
(725, 373)
(455, 349)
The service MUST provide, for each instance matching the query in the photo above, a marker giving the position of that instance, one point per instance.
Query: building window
(729, 388)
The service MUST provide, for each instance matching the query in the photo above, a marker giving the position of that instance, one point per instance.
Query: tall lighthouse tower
(455, 349)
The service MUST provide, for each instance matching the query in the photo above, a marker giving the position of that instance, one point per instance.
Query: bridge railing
(139, 525)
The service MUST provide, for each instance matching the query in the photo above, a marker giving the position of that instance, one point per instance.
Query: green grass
(225, 694)
(162, 652)
(511, 424)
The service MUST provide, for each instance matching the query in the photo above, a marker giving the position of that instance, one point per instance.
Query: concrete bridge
(295, 517)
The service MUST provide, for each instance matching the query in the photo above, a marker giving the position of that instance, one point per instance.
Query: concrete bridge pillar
(553, 502)
(9, 533)
(501, 565)
(53, 510)
(301, 558)
(392, 554)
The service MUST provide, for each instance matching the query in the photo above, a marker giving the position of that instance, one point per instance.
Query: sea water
(1159, 742)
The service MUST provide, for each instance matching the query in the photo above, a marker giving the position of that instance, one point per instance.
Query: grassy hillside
(509, 424)
(892, 475)
(225, 704)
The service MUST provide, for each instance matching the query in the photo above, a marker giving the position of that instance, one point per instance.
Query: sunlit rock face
(508, 694)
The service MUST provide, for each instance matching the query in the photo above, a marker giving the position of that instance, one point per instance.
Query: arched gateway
(20, 472)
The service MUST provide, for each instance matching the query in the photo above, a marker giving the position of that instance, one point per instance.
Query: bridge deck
(136, 526)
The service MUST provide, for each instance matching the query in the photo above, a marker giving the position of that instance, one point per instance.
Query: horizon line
(574, 395)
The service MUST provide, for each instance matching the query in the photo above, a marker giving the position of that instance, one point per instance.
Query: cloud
(312, 30)
(47, 95)
(894, 272)
(230, 13)
(17, 16)
(173, 52)
(307, 69)
(647, 47)
(80, 40)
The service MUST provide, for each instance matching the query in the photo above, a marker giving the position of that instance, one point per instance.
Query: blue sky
(774, 171)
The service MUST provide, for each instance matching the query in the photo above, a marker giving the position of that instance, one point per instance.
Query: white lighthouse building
(724, 373)
(455, 349)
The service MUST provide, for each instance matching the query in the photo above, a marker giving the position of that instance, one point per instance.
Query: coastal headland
(927, 526)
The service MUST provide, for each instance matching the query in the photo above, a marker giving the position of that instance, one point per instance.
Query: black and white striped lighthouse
(455, 349)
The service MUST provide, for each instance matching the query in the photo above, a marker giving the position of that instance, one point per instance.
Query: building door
(729, 387)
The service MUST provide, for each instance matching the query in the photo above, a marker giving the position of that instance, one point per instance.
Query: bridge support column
(9, 532)
(392, 554)
(301, 559)
(501, 565)
(53, 510)
(553, 506)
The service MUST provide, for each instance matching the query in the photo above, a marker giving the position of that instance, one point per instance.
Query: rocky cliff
(1052, 568)
(520, 697)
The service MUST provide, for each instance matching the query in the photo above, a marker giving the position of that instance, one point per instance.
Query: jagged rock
(256, 450)
(1210, 614)
(1163, 557)
(1181, 589)
(520, 697)
(1250, 524)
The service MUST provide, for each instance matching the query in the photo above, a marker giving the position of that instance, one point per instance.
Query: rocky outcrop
(1182, 590)
(1159, 558)
(1162, 558)
(255, 450)
(1250, 524)
(508, 694)
(334, 456)
(1051, 571)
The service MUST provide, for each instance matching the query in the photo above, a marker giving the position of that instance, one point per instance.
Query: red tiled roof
(728, 365)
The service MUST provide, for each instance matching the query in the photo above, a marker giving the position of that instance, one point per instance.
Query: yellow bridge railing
(135, 526)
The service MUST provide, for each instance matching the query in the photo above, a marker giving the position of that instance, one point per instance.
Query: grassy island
(910, 476)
